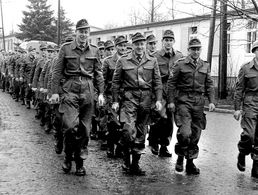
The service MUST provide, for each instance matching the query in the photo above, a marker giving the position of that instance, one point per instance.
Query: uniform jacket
(130, 74)
(247, 82)
(72, 61)
(26, 68)
(109, 66)
(188, 77)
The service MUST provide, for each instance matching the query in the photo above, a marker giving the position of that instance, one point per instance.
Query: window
(113, 38)
(193, 32)
(251, 35)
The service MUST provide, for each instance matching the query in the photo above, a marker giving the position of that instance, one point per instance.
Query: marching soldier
(109, 48)
(164, 119)
(246, 96)
(25, 74)
(138, 75)
(191, 79)
(151, 44)
(78, 63)
(112, 123)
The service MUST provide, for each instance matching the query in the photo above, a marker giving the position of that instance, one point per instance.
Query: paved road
(29, 165)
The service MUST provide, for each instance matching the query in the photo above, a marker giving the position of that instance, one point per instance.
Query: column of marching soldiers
(143, 88)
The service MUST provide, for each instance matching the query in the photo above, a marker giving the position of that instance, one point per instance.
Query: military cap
(43, 46)
(151, 39)
(50, 48)
(68, 39)
(120, 39)
(254, 46)
(108, 44)
(101, 44)
(138, 37)
(83, 23)
(31, 48)
(194, 43)
(168, 34)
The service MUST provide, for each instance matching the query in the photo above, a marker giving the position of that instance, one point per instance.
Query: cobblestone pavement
(29, 165)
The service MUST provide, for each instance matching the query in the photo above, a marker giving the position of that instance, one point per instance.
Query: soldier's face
(151, 46)
(121, 48)
(168, 43)
(195, 52)
(139, 47)
(110, 51)
(82, 35)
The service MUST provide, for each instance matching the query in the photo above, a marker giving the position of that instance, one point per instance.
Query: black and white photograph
(130, 97)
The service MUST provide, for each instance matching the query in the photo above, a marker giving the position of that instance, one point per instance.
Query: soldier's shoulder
(246, 65)
(94, 46)
(181, 60)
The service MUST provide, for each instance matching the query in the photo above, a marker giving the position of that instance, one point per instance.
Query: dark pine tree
(66, 26)
(38, 22)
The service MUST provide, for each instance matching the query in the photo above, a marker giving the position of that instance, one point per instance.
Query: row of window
(193, 33)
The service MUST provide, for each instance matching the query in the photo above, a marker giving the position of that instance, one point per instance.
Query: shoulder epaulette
(180, 59)
(93, 45)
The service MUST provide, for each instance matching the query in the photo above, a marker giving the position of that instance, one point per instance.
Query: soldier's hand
(158, 105)
(21, 79)
(16, 79)
(115, 106)
(101, 100)
(237, 114)
(172, 107)
(211, 107)
(33, 88)
(29, 84)
(54, 98)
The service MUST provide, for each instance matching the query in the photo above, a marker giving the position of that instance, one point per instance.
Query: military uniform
(246, 96)
(164, 119)
(112, 123)
(139, 79)
(189, 82)
(81, 68)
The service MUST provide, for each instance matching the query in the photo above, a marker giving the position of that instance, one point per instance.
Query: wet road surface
(29, 164)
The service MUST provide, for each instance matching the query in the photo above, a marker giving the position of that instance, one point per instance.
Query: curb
(220, 110)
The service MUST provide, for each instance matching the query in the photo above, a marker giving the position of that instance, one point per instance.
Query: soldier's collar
(163, 52)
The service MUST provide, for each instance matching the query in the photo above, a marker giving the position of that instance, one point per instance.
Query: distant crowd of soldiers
(115, 92)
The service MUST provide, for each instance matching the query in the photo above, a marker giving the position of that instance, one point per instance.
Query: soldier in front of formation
(78, 63)
(246, 104)
(137, 74)
(188, 84)
(163, 119)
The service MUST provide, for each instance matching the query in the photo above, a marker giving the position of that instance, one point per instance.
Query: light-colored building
(241, 34)
(10, 41)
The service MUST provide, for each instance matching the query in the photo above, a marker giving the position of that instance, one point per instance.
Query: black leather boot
(135, 168)
(180, 164)
(67, 165)
(127, 160)
(191, 169)
(241, 162)
(163, 152)
(255, 169)
(80, 170)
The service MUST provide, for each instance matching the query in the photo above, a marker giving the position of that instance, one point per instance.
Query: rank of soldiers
(118, 92)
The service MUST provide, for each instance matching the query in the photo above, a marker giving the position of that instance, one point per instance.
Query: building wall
(9, 42)
(237, 42)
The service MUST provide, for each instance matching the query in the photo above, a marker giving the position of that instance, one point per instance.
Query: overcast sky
(99, 13)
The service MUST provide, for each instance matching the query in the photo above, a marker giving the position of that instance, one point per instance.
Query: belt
(136, 89)
(191, 93)
(80, 78)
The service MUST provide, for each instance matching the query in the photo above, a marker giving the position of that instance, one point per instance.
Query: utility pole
(152, 11)
(2, 25)
(222, 82)
(172, 12)
(58, 25)
(212, 31)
